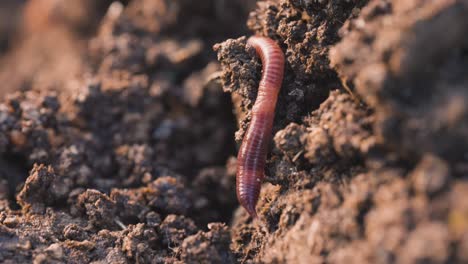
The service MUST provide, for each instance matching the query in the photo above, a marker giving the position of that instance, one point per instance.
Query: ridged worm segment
(253, 151)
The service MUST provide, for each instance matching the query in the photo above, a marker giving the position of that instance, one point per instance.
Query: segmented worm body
(253, 150)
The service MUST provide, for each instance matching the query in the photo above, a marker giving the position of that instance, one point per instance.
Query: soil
(119, 128)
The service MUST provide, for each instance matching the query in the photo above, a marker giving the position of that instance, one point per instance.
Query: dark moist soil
(119, 131)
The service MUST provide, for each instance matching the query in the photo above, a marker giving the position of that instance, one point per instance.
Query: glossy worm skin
(254, 147)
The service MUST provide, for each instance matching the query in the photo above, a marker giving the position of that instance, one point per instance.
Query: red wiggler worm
(252, 153)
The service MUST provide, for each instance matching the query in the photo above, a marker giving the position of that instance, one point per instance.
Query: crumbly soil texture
(120, 123)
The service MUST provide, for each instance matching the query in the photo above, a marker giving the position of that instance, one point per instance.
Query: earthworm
(252, 153)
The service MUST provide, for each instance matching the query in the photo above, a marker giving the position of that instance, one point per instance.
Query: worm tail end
(250, 208)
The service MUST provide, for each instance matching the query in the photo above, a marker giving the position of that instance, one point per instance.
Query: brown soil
(118, 138)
